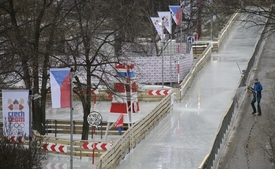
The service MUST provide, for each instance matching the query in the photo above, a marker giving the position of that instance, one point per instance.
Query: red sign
(119, 122)
(96, 146)
(158, 92)
(55, 147)
(14, 139)
(87, 145)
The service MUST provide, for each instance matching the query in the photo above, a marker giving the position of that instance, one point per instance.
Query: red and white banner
(176, 14)
(96, 146)
(55, 166)
(55, 147)
(15, 113)
(119, 122)
(158, 92)
(60, 79)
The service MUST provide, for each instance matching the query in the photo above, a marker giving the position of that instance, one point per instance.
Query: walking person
(257, 95)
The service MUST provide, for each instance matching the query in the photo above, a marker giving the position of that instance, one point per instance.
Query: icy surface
(186, 135)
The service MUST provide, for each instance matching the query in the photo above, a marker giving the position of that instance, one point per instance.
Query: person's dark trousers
(258, 106)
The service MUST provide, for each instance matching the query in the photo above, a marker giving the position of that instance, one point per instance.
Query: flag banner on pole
(167, 21)
(119, 122)
(176, 14)
(157, 23)
(60, 87)
(15, 113)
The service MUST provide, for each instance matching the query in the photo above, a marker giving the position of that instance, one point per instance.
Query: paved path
(185, 136)
(248, 145)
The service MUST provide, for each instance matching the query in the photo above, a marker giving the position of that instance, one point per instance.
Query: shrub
(18, 156)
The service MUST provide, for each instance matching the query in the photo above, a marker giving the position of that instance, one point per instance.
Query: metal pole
(178, 66)
(30, 112)
(211, 24)
(170, 71)
(30, 124)
(129, 94)
(179, 49)
(162, 25)
(71, 118)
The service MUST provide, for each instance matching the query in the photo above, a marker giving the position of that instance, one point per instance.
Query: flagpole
(162, 58)
(30, 122)
(71, 119)
(181, 28)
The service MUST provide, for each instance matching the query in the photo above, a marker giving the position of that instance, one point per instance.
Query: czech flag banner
(60, 87)
(176, 14)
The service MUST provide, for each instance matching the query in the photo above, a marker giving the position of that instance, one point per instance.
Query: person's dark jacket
(258, 90)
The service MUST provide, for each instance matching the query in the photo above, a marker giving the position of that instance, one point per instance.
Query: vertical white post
(179, 49)
(178, 66)
(211, 23)
(171, 72)
(162, 25)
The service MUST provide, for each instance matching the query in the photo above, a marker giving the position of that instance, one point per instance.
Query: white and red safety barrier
(55, 166)
(15, 139)
(55, 147)
(96, 146)
(158, 92)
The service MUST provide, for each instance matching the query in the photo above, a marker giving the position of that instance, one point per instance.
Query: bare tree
(28, 39)
(256, 11)
(94, 44)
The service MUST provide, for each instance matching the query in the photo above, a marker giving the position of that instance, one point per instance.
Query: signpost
(94, 119)
(96, 146)
(191, 39)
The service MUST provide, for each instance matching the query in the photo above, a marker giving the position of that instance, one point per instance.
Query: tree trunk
(85, 127)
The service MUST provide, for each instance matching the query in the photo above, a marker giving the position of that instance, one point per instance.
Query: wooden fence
(130, 139)
(58, 127)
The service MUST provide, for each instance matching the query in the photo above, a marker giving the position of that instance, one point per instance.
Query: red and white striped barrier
(96, 146)
(158, 92)
(14, 139)
(55, 147)
(55, 166)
